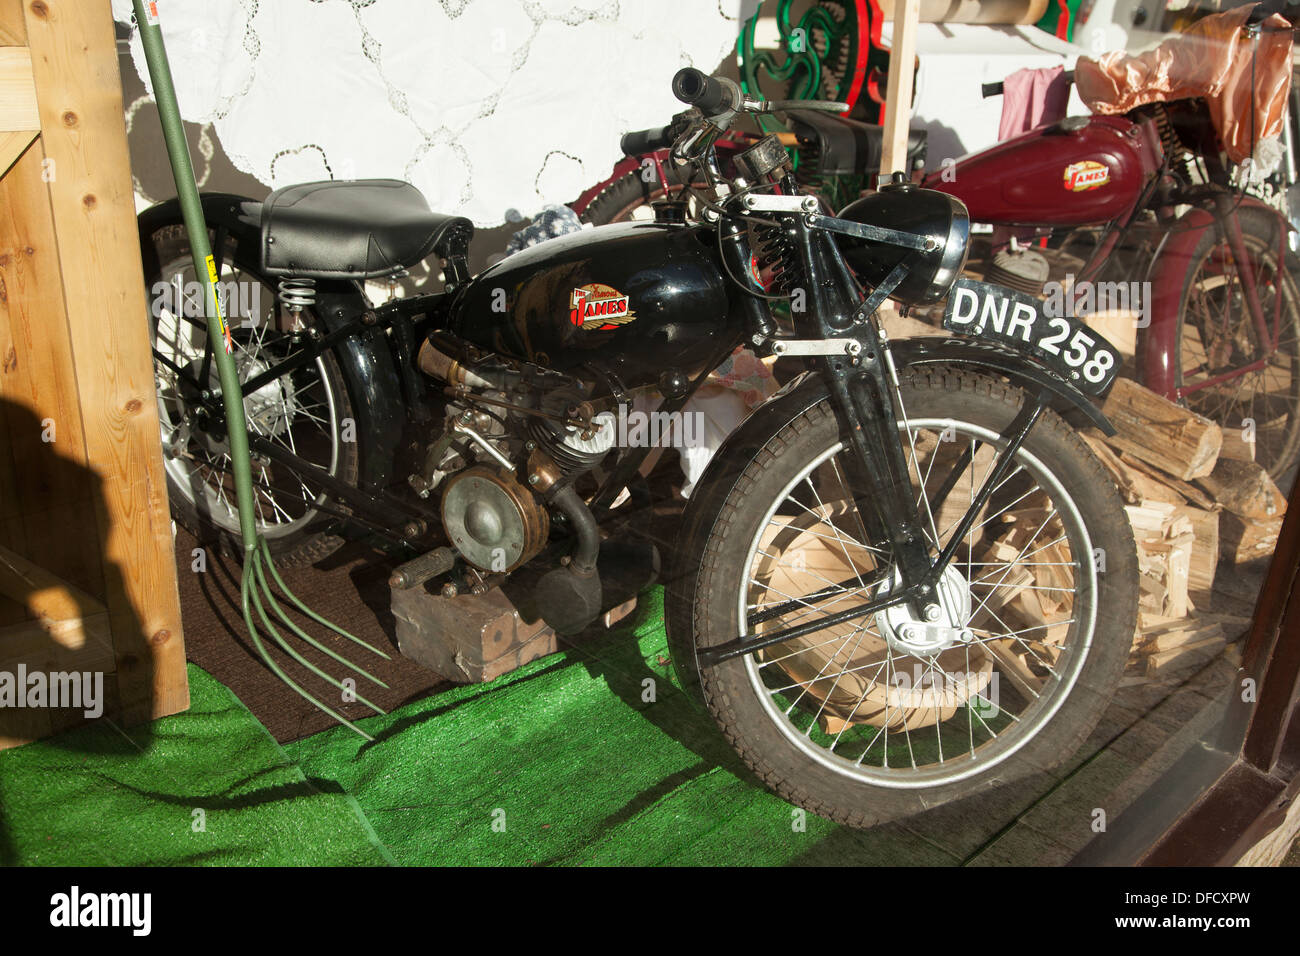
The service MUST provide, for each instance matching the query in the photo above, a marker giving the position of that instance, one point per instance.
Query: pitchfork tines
(256, 595)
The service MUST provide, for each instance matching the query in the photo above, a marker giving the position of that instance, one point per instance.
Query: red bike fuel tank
(639, 299)
(1081, 171)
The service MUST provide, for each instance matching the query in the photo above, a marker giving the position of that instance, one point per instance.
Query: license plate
(1064, 344)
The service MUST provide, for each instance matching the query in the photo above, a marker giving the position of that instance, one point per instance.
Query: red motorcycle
(1149, 194)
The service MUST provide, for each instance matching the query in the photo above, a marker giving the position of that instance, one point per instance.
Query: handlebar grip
(1290, 12)
(995, 89)
(1262, 12)
(640, 141)
(709, 94)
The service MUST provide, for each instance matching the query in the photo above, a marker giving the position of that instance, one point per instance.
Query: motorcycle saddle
(838, 146)
(357, 229)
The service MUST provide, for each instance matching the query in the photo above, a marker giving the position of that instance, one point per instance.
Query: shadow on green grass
(114, 670)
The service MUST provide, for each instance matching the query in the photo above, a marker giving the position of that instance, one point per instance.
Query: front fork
(1225, 209)
(869, 405)
(864, 388)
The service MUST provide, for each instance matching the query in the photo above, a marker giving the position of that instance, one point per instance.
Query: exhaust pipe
(442, 366)
(569, 597)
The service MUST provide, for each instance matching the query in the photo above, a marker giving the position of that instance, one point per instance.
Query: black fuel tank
(640, 298)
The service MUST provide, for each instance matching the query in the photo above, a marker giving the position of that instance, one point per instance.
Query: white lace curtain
(485, 105)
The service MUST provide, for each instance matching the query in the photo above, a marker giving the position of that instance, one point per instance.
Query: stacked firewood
(1203, 514)
(1199, 506)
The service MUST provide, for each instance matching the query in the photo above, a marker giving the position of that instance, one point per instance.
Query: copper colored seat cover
(1213, 60)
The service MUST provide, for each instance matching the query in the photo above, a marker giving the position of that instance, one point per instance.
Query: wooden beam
(46, 485)
(46, 595)
(17, 90)
(1161, 433)
(987, 12)
(14, 144)
(79, 96)
(83, 644)
(13, 31)
(898, 93)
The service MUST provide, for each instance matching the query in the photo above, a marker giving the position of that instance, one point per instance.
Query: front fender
(978, 353)
(805, 391)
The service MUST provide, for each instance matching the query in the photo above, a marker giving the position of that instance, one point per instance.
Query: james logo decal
(597, 307)
(1088, 174)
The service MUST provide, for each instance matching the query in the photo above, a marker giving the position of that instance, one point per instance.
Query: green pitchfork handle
(187, 191)
(256, 595)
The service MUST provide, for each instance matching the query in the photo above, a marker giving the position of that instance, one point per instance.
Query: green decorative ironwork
(820, 51)
(256, 593)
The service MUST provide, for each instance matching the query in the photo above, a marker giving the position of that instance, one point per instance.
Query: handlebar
(711, 95)
(641, 141)
(716, 102)
(1289, 11)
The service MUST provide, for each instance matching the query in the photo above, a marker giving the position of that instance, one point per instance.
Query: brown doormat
(349, 588)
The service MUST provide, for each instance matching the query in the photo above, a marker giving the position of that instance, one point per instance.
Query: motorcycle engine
(512, 435)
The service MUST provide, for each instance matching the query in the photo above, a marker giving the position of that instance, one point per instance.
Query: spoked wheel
(1227, 370)
(629, 198)
(890, 714)
(306, 412)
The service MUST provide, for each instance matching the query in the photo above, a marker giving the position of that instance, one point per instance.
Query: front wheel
(888, 715)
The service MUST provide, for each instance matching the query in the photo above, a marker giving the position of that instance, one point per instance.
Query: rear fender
(239, 216)
(366, 361)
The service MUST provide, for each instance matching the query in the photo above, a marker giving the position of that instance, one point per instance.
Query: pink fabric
(1032, 98)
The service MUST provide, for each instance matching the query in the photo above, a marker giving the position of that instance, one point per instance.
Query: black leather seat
(357, 229)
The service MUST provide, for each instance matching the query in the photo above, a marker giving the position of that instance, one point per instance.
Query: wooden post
(898, 93)
(85, 532)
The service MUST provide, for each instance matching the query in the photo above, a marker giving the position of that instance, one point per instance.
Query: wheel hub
(940, 625)
(270, 410)
(273, 406)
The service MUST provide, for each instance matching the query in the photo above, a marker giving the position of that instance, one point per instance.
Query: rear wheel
(307, 412)
(1226, 371)
(888, 715)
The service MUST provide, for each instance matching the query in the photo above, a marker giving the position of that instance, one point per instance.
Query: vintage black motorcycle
(902, 580)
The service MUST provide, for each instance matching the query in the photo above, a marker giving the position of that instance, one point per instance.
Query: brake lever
(688, 149)
(780, 106)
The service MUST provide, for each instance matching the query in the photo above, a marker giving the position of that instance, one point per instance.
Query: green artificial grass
(99, 795)
(591, 756)
(576, 759)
